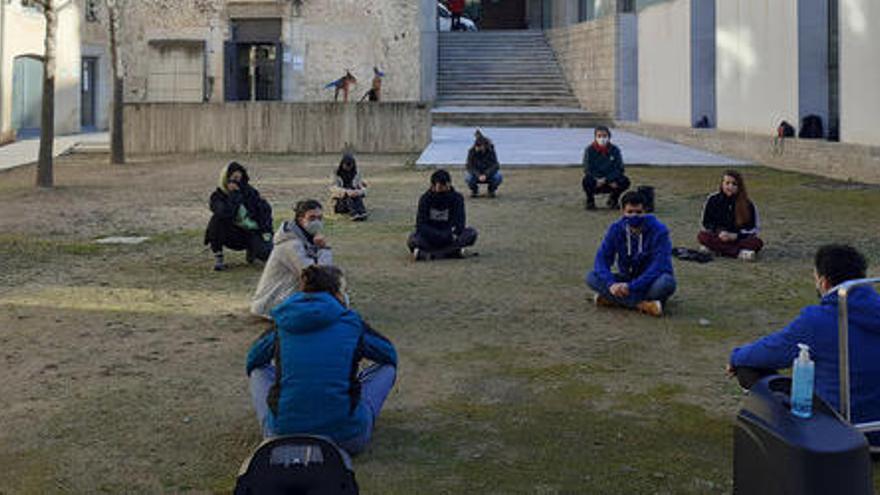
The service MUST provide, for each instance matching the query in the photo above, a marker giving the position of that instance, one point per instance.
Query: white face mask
(314, 227)
(603, 141)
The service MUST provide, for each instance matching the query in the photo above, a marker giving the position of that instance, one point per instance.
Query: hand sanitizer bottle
(802, 383)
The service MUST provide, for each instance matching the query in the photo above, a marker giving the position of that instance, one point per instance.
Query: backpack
(297, 465)
(785, 129)
(811, 128)
(647, 193)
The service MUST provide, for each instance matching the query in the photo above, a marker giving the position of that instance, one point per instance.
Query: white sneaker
(703, 249)
(747, 255)
(415, 254)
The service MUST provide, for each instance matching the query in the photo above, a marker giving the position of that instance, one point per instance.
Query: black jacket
(225, 205)
(719, 213)
(441, 215)
(601, 166)
(485, 163)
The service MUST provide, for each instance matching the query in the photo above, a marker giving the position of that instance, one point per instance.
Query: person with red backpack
(456, 8)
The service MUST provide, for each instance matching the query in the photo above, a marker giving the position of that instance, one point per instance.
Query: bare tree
(45, 176)
(117, 141)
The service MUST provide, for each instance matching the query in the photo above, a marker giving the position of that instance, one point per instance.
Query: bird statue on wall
(342, 84)
(375, 92)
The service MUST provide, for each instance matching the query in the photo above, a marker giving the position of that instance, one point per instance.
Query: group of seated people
(303, 371)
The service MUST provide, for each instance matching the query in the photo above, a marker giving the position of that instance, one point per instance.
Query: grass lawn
(123, 366)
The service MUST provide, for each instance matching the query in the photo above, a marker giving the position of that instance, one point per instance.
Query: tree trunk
(117, 141)
(45, 176)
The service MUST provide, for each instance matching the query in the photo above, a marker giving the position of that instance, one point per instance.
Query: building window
(91, 10)
(626, 6)
(176, 71)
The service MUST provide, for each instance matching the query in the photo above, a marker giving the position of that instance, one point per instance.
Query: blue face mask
(634, 221)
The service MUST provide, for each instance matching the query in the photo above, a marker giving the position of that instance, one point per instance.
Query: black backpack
(785, 129)
(811, 128)
(647, 193)
(297, 465)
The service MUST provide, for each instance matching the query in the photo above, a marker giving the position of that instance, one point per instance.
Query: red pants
(731, 249)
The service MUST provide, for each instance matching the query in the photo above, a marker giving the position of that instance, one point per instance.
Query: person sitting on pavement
(817, 327)
(349, 189)
(730, 220)
(303, 372)
(441, 231)
(640, 244)
(298, 244)
(241, 219)
(603, 170)
(482, 166)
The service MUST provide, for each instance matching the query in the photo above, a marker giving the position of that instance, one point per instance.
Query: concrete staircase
(504, 79)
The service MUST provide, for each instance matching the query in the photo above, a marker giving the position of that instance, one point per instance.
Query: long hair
(347, 176)
(743, 214)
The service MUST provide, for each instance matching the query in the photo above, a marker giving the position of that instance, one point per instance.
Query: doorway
(503, 14)
(88, 90)
(27, 95)
(253, 61)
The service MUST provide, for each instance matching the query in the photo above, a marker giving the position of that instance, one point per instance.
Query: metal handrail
(843, 350)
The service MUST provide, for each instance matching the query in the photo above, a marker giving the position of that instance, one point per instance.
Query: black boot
(591, 203)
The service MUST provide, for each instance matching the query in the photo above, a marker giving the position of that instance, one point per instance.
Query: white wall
(664, 72)
(24, 34)
(757, 64)
(860, 71)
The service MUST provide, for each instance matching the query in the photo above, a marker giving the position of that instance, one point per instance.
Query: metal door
(88, 87)
(27, 94)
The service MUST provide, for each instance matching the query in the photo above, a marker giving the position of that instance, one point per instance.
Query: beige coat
(291, 253)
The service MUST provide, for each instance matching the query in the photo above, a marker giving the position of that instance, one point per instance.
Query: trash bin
(777, 453)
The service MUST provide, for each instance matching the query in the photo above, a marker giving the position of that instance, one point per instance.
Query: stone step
(519, 120)
(509, 102)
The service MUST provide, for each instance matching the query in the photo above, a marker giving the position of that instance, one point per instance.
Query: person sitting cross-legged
(303, 372)
(603, 170)
(817, 327)
(641, 246)
(730, 220)
(349, 189)
(441, 231)
(482, 166)
(298, 243)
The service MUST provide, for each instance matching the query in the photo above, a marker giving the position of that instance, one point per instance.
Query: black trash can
(777, 453)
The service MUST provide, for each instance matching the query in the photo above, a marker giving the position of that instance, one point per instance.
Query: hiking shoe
(703, 249)
(651, 308)
(591, 205)
(219, 266)
(474, 194)
(603, 302)
(747, 255)
(491, 194)
(358, 217)
(416, 254)
(612, 204)
(250, 257)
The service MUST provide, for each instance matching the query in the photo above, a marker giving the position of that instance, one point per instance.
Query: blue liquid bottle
(802, 383)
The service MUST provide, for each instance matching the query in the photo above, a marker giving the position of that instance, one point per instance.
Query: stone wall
(320, 41)
(274, 127)
(818, 157)
(587, 53)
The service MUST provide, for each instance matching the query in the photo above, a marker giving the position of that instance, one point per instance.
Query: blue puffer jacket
(816, 326)
(320, 345)
(641, 258)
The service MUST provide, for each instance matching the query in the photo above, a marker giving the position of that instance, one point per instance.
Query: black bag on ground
(647, 193)
(686, 254)
(785, 129)
(811, 128)
(297, 465)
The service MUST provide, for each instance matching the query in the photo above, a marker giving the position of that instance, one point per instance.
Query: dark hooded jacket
(719, 214)
(244, 208)
(483, 163)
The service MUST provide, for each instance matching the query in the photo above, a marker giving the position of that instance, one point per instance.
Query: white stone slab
(121, 240)
(526, 146)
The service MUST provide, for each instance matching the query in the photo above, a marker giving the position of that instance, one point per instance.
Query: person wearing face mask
(816, 326)
(240, 218)
(730, 220)
(640, 245)
(482, 166)
(603, 170)
(298, 244)
(441, 231)
(349, 189)
(303, 372)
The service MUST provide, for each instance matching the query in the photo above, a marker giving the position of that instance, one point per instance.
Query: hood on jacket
(650, 227)
(305, 312)
(288, 231)
(861, 302)
(227, 170)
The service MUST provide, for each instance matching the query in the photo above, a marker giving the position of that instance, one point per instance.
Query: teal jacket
(317, 346)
